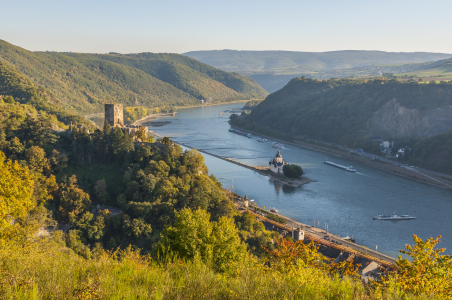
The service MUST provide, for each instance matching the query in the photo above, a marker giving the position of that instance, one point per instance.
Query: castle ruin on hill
(114, 115)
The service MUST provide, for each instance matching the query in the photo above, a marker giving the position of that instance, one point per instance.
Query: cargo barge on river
(349, 169)
(248, 135)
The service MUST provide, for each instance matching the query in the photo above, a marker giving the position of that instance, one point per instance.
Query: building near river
(114, 115)
(277, 164)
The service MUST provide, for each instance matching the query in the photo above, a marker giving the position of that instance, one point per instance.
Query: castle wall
(114, 114)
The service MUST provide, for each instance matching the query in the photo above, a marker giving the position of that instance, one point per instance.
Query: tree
(38, 131)
(100, 189)
(428, 273)
(9, 99)
(292, 171)
(16, 191)
(73, 200)
(36, 158)
(193, 235)
(143, 135)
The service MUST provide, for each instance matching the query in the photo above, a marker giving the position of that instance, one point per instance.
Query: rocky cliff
(395, 120)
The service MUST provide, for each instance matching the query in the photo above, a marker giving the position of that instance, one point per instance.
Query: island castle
(277, 164)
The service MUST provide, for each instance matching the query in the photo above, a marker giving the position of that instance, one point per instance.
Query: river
(343, 200)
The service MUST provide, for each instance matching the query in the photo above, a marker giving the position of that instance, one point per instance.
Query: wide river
(343, 200)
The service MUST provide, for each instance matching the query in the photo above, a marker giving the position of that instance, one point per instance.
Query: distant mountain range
(274, 69)
(84, 82)
(285, 62)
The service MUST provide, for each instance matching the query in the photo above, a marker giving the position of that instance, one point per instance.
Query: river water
(343, 200)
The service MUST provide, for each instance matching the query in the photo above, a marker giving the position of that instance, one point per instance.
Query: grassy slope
(438, 69)
(84, 82)
(48, 270)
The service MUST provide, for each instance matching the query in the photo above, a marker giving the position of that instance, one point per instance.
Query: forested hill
(84, 82)
(15, 87)
(341, 111)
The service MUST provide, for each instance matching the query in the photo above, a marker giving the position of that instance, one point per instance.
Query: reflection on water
(287, 189)
(346, 201)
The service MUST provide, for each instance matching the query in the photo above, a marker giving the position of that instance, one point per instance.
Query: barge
(349, 169)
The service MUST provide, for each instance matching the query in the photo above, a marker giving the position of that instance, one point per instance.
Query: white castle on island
(277, 164)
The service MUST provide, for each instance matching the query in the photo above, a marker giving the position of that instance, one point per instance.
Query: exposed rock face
(394, 120)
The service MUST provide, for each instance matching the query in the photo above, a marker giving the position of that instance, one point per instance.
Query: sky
(178, 26)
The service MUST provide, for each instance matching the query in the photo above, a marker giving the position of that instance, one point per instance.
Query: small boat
(277, 145)
(262, 140)
(394, 217)
(273, 210)
(349, 239)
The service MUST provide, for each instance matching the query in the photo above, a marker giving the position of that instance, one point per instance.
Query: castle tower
(114, 114)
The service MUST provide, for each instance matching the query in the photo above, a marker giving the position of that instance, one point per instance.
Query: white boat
(273, 210)
(394, 217)
(262, 140)
(277, 145)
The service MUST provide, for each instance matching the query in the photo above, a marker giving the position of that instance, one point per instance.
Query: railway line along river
(345, 201)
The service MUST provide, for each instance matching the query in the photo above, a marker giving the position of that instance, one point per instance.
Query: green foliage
(194, 235)
(131, 114)
(271, 216)
(434, 152)
(292, 171)
(20, 88)
(73, 201)
(252, 103)
(428, 272)
(16, 190)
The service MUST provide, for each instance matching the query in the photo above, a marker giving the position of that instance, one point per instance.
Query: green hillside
(83, 82)
(438, 70)
(434, 152)
(338, 110)
(24, 91)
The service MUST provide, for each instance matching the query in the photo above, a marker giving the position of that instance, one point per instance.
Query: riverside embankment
(320, 236)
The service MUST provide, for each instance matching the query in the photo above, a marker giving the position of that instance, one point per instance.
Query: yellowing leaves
(16, 191)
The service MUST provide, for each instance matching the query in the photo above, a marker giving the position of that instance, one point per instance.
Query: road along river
(344, 201)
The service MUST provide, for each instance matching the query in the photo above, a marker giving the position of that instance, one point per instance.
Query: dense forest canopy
(16, 87)
(84, 82)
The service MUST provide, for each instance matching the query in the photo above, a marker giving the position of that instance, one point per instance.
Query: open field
(442, 73)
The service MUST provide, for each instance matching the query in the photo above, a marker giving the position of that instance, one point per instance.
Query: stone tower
(114, 114)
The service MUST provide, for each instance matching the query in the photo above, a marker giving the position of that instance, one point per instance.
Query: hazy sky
(181, 25)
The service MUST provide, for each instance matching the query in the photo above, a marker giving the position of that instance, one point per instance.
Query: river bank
(143, 121)
(390, 168)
